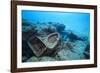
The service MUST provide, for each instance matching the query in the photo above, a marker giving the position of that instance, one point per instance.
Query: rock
(48, 29)
(74, 53)
(87, 51)
(28, 29)
(65, 54)
(33, 59)
(74, 37)
(47, 58)
(59, 27)
(79, 47)
(26, 51)
(24, 58)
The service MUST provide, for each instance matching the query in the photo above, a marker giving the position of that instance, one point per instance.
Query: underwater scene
(55, 36)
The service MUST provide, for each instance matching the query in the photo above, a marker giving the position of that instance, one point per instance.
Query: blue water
(63, 22)
(77, 22)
